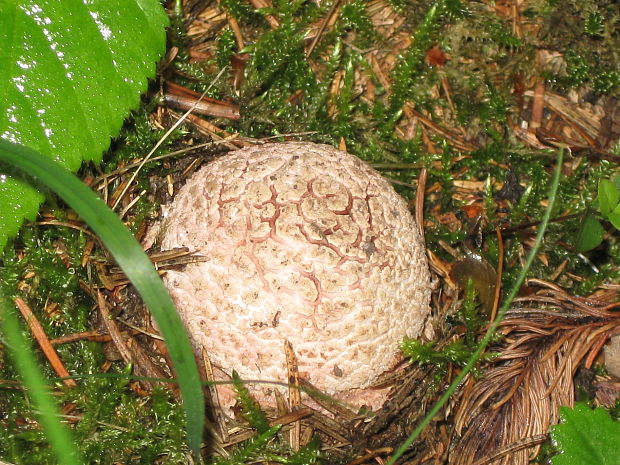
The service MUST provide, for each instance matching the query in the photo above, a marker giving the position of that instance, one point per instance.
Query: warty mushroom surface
(302, 243)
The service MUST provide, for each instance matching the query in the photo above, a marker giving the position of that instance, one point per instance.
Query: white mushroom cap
(303, 243)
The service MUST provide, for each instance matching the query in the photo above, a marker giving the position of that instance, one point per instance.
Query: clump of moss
(587, 35)
(469, 320)
(109, 421)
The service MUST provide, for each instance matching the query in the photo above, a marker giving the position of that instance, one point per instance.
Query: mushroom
(300, 243)
(612, 356)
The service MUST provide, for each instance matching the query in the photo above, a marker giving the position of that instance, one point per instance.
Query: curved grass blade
(57, 434)
(493, 327)
(133, 261)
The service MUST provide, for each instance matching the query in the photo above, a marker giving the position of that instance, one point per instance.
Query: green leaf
(614, 217)
(608, 196)
(590, 235)
(586, 436)
(134, 262)
(70, 72)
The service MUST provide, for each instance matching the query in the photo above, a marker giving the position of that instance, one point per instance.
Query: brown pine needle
(44, 342)
(520, 395)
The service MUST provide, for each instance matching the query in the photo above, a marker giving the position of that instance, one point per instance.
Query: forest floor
(467, 103)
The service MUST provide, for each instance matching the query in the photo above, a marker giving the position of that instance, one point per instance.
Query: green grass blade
(133, 261)
(57, 434)
(493, 327)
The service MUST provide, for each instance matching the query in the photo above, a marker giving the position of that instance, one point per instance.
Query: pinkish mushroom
(612, 356)
(302, 243)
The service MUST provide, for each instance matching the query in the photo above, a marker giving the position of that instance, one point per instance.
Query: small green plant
(586, 436)
(267, 444)
(470, 316)
(250, 408)
(592, 232)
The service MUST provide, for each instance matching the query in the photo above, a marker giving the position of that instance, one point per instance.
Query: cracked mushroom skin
(302, 243)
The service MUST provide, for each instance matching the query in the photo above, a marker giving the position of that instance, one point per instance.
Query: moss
(49, 270)
(278, 67)
(472, 315)
(242, 11)
(250, 408)
(268, 444)
(587, 34)
(121, 427)
(109, 421)
(252, 449)
(137, 138)
(226, 46)
(468, 320)
(410, 69)
(455, 352)
(354, 16)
